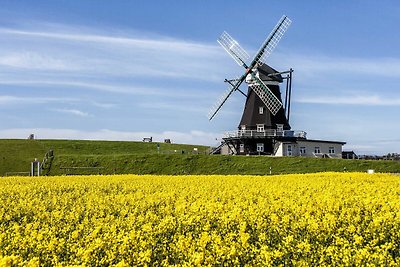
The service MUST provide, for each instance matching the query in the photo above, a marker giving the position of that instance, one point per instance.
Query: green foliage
(214, 164)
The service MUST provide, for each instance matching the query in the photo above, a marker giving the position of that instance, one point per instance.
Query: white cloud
(39, 100)
(115, 88)
(132, 89)
(15, 100)
(103, 105)
(165, 44)
(33, 60)
(340, 67)
(87, 53)
(373, 100)
(329, 79)
(73, 112)
(128, 65)
(180, 106)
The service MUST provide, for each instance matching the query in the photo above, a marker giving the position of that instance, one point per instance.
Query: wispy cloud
(115, 88)
(34, 61)
(102, 105)
(343, 67)
(73, 112)
(61, 57)
(9, 100)
(180, 107)
(16, 100)
(163, 43)
(329, 79)
(373, 100)
(112, 55)
(106, 86)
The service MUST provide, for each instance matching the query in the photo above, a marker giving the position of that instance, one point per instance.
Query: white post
(35, 168)
(38, 168)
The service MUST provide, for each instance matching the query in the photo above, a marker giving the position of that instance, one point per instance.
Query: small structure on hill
(264, 128)
(349, 155)
(148, 139)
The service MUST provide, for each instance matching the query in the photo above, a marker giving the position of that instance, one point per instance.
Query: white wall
(310, 148)
(279, 151)
(225, 150)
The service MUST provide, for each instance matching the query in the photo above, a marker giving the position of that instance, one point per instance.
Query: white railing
(265, 133)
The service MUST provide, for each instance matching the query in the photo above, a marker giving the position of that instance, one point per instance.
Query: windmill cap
(265, 70)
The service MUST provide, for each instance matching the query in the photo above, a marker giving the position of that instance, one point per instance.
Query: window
(241, 148)
(331, 150)
(317, 150)
(289, 150)
(260, 147)
(242, 130)
(279, 129)
(260, 127)
(302, 150)
(261, 110)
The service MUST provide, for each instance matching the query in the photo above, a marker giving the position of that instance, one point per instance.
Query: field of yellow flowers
(322, 219)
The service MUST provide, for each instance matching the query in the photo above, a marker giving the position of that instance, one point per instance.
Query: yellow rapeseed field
(324, 219)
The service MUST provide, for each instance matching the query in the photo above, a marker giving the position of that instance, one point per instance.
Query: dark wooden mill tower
(256, 114)
(265, 119)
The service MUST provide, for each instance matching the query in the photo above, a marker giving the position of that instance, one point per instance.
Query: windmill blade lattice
(217, 106)
(234, 49)
(266, 95)
(272, 41)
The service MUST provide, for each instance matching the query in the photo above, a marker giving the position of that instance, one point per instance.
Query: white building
(310, 148)
(278, 143)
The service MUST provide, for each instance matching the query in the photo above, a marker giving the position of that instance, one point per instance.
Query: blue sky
(124, 70)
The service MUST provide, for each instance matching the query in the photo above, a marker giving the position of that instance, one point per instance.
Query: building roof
(321, 141)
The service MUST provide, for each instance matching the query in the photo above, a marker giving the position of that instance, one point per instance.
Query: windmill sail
(265, 94)
(272, 41)
(217, 106)
(234, 49)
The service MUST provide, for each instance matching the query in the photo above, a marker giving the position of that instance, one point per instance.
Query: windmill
(264, 110)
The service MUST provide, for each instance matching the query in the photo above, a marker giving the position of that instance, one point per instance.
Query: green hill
(108, 157)
(17, 154)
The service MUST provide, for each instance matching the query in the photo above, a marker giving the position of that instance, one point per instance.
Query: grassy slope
(141, 158)
(16, 155)
(217, 164)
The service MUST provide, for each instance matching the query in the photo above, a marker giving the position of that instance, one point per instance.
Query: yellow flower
(323, 219)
